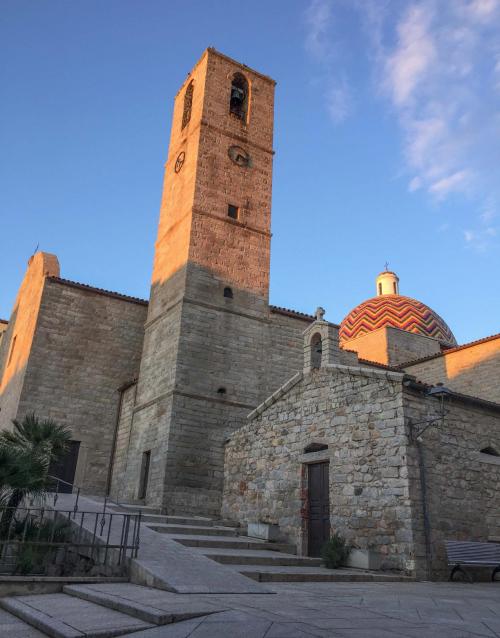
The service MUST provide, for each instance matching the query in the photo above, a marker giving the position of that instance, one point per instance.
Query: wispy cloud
(437, 65)
(415, 52)
(319, 21)
(339, 100)
(438, 74)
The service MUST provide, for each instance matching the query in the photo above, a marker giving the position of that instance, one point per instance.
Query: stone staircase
(260, 560)
(97, 611)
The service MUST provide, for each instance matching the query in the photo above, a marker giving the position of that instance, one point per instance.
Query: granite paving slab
(13, 627)
(331, 610)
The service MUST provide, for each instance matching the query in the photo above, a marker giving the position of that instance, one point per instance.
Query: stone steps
(191, 530)
(134, 509)
(264, 561)
(147, 604)
(291, 574)
(258, 557)
(231, 542)
(103, 611)
(62, 616)
(177, 520)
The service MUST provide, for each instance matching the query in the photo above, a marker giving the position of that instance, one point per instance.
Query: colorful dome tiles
(397, 311)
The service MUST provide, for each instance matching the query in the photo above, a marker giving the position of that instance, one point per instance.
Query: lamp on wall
(417, 428)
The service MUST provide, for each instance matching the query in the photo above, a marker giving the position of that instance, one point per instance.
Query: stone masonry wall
(473, 370)
(403, 346)
(392, 346)
(358, 413)
(462, 484)
(264, 354)
(15, 348)
(85, 346)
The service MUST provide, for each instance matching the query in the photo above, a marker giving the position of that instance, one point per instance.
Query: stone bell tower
(203, 357)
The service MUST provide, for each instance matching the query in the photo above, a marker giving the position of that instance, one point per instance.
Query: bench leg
(495, 572)
(458, 568)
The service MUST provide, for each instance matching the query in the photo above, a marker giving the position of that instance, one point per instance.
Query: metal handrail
(88, 533)
(56, 494)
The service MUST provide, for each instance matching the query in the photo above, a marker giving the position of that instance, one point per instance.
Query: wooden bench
(472, 553)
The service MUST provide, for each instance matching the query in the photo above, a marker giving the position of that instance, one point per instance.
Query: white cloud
(437, 65)
(414, 184)
(339, 101)
(489, 212)
(482, 10)
(482, 237)
(457, 181)
(318, 22)
(415, 52)
(436, 59)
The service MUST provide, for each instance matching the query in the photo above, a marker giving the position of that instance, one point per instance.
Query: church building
(209, 400)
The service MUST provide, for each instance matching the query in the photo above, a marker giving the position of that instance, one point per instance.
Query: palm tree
(26, 453)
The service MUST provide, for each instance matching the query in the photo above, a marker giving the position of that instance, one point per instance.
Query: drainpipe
(417, 429)
(425, 509)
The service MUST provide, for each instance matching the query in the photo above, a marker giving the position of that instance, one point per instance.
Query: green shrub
(35, 553)
(335, 551)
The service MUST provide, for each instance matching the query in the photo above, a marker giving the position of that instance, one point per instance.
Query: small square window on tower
(233, 211)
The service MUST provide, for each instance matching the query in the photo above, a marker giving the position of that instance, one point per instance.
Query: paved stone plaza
(352, 610)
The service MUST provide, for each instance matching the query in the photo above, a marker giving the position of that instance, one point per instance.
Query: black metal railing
(54, 542)
(57, 483)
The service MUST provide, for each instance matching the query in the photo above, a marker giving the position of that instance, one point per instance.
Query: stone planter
(364, 559)
(265, 531)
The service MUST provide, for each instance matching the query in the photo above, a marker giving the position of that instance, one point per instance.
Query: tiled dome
(398, 311)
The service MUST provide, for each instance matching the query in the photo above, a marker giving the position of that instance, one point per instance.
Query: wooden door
(65, 468)
(319, 507)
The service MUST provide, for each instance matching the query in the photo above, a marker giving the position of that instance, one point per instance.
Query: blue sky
(387, 142)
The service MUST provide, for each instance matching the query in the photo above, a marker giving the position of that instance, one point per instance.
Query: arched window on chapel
(316, 350)
(188, 104)
(238, 102)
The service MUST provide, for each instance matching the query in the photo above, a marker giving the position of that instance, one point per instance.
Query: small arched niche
(316, 350)
(315, 447)
(228, 292)
(238, 102)
(489, 450)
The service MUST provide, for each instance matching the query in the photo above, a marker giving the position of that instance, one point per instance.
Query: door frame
(311, 458)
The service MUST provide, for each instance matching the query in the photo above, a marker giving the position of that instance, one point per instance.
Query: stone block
(364, 559)
(266, 531)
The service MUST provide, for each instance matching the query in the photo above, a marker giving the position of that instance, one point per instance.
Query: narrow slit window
(188, 105)
(144, 478)
(380, 289)
(12, 348)
(233, 211)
